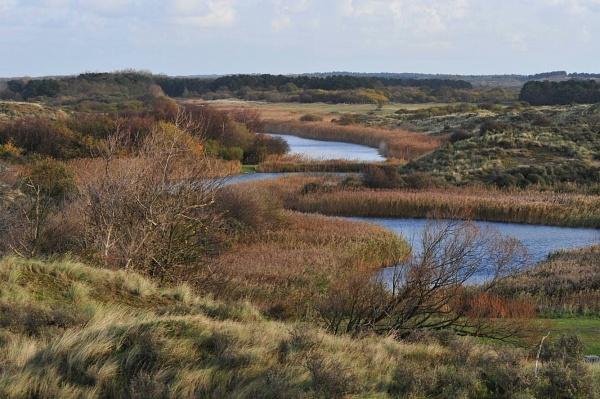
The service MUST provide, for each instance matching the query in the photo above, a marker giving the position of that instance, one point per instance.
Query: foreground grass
(330, 197)
(72, 331)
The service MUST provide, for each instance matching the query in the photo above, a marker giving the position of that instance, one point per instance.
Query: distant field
(588, 329)
(327, 111)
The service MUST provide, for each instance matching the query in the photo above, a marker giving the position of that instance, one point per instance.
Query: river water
(539, 241)
(327, 150)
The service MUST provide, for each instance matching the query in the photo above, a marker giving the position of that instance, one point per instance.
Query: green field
(588, 329)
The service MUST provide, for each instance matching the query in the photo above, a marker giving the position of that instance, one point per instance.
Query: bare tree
(433, 289)
(44, 185)
(152, 212)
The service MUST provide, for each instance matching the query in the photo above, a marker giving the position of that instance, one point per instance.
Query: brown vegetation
(568, 283)
(295, 163)
(286, 267)
(398, 144)
(518, 206)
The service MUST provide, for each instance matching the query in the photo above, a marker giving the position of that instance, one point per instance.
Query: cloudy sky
(183, 37)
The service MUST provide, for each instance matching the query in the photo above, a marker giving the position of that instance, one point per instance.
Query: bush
(231, 153)
(249, 209)
(382, 177)
(44, 136)
(311, 118)
(460, 134)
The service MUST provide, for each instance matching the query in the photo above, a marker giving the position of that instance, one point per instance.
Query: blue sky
(185, 37)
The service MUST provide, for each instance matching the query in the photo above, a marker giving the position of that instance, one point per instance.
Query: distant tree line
(111, 85)
(561, 93)
(177, 86)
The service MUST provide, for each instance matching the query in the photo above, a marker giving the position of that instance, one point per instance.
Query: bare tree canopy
(433, 289)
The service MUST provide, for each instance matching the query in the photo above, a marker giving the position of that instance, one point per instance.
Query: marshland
(335, 240)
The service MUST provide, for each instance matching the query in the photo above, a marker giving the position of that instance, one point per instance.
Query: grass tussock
(399, 144)
(330, 197)
(185, 346)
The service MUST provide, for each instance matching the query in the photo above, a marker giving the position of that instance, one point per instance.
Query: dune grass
(72, 331)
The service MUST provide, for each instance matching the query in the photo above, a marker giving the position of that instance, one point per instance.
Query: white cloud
(281, 22)
(577, 7)
(204, 13)
(7, 5)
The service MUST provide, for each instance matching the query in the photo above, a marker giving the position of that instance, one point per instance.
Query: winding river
(539, 241)
(326, 150)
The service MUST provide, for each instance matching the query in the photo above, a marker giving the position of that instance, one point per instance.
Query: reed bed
(284, 269)
(567, 284)
(297, 163)
(399, 144)
(526, 206)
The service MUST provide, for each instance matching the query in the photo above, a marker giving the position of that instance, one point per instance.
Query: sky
(195, 37)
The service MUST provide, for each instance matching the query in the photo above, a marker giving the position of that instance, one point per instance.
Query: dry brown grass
(517, 206)
(297, 163)
(283, 269)
(400, 144)
(567, 283)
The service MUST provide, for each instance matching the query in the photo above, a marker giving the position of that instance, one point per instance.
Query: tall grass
(285, 268)
(295, 163)
(516, 206)
(174, 348)
(398, 144)
(567, 284)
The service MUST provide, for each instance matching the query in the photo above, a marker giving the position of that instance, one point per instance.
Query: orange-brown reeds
(523, 206)
(285, 268)
(400, 144)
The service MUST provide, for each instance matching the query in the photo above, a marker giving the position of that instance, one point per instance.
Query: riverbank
(284, 269)
(334, 197)
(399, 144)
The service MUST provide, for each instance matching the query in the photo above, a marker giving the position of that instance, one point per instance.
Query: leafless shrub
(428, 291)
(153, 211)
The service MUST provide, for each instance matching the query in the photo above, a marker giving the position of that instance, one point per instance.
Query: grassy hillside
(72, 331)
(542, 146)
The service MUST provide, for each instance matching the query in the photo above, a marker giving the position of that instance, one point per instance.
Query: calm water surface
(326, 150)
(540, 241)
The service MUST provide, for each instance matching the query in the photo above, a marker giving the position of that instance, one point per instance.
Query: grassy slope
(541, 145)
(72, 331)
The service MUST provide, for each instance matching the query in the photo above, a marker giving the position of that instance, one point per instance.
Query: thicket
(573, 91)
(228, 135)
